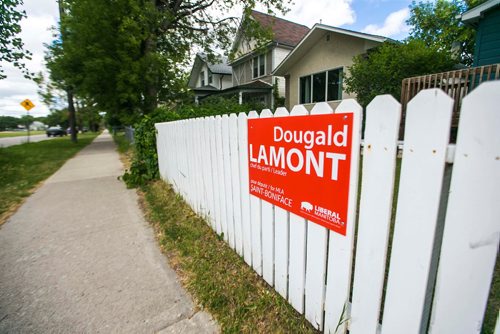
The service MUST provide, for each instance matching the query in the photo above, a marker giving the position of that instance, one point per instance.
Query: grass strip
(20, 134)
(23, 167)
(218, 278)
(124, 148)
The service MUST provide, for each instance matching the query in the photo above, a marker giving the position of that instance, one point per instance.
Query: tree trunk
(72, 116)
(152, 76)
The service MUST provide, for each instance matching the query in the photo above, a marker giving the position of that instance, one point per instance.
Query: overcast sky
(380, 17)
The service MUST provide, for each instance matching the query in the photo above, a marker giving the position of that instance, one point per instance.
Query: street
(10, 141)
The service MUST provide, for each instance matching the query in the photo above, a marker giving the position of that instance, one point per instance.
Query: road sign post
(28, 105)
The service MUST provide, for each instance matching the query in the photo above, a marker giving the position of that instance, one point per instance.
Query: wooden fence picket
(244, 187)
(213, 175)
(221, 178)
(383, 116)
(255, 223)
(281, 238)
(317, 244)
(267, 211)
(207, 161)
(297, 254)
(235, 182)
(472, 227)
(340, 250)
(428, 121)
(228, 191)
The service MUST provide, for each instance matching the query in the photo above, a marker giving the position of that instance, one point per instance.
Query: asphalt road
(10, 141)
(78, 257)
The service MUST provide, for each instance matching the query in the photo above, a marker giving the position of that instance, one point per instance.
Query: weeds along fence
(445, 230)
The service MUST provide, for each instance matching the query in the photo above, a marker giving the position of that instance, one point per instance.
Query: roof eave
(474, 14)
(281, 69)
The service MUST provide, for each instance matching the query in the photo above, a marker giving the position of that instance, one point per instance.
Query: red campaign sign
(302, 164)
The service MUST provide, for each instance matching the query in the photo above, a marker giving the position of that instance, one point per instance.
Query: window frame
(341, 72)
(202, 78)
(257, 60)
(210, 77)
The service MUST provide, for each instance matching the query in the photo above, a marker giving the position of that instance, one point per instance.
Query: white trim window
(210, 77)
(202, 78)
(321, 87)
(258, 66)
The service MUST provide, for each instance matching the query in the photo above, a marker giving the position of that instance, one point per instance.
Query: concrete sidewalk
(78, 257)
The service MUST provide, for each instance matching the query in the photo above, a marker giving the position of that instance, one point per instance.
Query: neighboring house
(486, 19)
(252, 69)
(37, 126)
(207, 78)
(314, 70)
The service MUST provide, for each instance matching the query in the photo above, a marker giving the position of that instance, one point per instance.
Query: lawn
(19, 133)
(217, 277)
(24, 167)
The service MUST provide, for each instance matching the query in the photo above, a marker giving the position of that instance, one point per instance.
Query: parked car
(68, 130)
(55, 131)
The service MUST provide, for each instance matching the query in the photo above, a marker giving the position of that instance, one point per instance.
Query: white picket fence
(206, 160)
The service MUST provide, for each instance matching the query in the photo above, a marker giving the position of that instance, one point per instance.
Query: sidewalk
(79, 257)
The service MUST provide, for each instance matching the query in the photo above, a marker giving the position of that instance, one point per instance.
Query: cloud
(333, 12)
(41, 16)
(394, 24)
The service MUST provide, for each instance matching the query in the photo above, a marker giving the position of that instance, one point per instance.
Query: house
(253, 67)
(207, 77)
(37, 126)
(315, 68)
(486, 19)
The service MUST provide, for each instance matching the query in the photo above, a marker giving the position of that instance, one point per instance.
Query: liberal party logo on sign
(303, 165)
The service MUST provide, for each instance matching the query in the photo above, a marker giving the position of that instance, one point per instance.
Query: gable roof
(220, 67)
(312, 38)
(473, 15)
(284, 32)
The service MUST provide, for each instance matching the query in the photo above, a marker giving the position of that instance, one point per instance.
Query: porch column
(240, 99)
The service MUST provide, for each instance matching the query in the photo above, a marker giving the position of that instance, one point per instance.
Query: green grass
(20, 134)
(122, 142)
(213, 273)
(24, 166)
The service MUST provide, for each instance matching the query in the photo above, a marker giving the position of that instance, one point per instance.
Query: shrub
(144, 165)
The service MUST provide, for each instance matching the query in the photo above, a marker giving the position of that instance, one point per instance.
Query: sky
(379, 17)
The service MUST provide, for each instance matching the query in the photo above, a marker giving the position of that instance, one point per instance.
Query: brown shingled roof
(285, 32)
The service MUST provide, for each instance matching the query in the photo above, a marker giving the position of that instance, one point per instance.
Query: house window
(210, 80)
(202, 78)
(320, 87)
(305, 89)
(259, 66)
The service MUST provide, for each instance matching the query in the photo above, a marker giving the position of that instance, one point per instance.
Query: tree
(26, 120)
(8, 122)
(139, 61)
(383, 69)
(58, 117)
(438, 24)
(11, 46)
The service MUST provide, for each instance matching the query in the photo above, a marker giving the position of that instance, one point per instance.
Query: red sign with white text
(302, 164)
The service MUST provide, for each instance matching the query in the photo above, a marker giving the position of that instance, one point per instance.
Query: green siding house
(486, 19)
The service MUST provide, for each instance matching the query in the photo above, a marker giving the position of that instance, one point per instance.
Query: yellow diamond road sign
(27, 104)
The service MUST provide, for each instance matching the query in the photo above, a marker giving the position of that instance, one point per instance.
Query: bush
(385, 67)
(144, 165)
